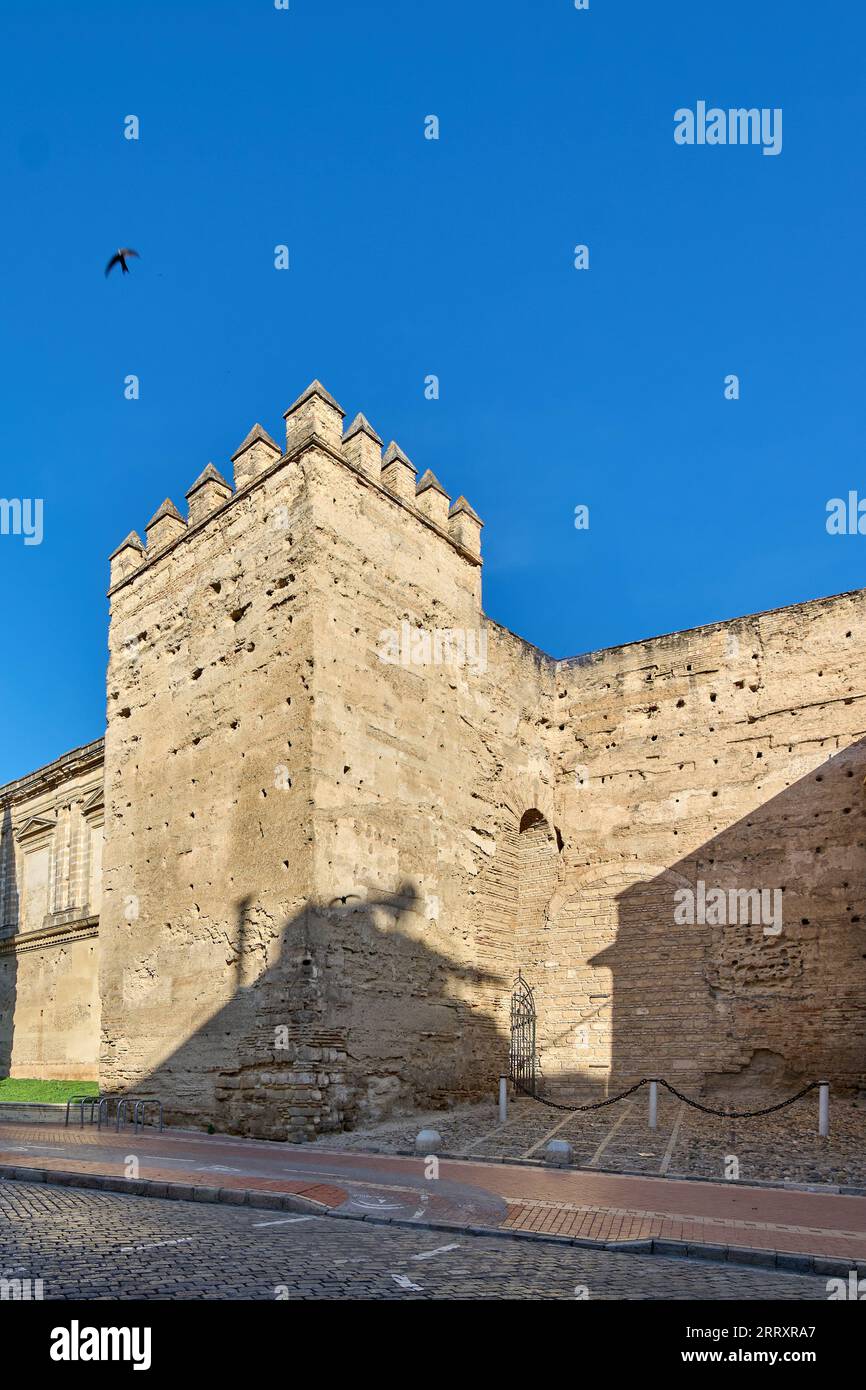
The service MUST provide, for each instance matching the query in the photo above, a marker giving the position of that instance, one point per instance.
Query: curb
(168, 1191)
(745, 1256)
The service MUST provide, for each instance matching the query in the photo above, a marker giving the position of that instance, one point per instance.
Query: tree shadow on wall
(357, 1015)
(739, 1003)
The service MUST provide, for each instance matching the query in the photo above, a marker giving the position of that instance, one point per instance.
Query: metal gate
(523, 1036)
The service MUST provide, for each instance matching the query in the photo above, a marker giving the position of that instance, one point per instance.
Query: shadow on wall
(739, 967)
(357, 1015)
(8, 959)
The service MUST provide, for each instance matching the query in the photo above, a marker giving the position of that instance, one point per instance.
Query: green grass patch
(52, 1092)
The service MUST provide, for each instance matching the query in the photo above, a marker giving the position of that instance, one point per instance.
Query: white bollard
(823, 1109)
(654, 1104)
(558, 1153)
(428, 1141)
(503, 1099)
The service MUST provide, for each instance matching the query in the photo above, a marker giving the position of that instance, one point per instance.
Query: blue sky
(453, 257)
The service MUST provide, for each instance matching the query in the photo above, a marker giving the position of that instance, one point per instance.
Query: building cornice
(53, 774)
(59, 935)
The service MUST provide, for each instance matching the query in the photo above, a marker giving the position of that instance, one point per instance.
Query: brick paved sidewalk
(578, 1204)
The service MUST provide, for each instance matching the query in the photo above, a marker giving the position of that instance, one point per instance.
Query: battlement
(313, 421)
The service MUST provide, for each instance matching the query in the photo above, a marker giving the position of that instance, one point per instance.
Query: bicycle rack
(137, 1104)
(138, 1114)
(81, 1101)
(123, 1102)
(102, 1111)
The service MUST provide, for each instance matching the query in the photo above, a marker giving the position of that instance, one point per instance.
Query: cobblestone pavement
(578, 1203)
(784, 1147)
(94, 1245)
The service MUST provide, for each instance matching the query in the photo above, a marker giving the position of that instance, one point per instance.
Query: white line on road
(155, 1245)
(428, 1254)
(287, 1221)
(406, 1283)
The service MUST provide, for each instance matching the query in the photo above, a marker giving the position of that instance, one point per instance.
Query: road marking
(374, 1203)
(673, 1139)
(287, 1221)
(406, 1283)
(428, 1254)
(421, 1210)
(611, 1132)
(314, 1177)
(155, 1245)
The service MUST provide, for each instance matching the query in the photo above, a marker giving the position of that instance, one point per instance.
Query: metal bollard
(503, 1099)
(823, 1109)
(653, 1104)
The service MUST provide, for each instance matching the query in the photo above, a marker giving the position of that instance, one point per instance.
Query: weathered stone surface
(50, 885)
(344, 807)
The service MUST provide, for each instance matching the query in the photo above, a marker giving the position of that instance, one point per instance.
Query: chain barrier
(695, 1104)
(596, 1105)
(739, 1114)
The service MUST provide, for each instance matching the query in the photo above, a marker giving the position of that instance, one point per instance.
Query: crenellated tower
(282, 660)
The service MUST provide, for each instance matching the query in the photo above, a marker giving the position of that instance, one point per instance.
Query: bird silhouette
(119, 258)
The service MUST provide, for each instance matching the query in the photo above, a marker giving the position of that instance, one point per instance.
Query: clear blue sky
(454, 257)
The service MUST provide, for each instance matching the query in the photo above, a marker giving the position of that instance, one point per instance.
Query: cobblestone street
(92, 1245)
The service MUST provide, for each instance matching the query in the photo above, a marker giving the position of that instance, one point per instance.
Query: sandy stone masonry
(50, 887)
(343, 807)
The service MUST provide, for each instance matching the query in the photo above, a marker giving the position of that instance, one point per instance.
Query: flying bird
(119, 258)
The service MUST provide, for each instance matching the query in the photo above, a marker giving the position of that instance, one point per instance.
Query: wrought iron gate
(523, 1036)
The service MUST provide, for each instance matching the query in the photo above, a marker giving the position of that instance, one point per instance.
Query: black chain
(739, 1114)
(596, 1105)
(695, 1104)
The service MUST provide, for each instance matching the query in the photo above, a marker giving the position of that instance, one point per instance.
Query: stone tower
(299, 715)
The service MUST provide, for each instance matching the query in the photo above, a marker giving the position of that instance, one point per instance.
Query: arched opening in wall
(537, 870)
(537, 865)
(511, 901)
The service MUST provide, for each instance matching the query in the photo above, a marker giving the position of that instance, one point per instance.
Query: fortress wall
(331, 843)
(208, 844)
(733, 755)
